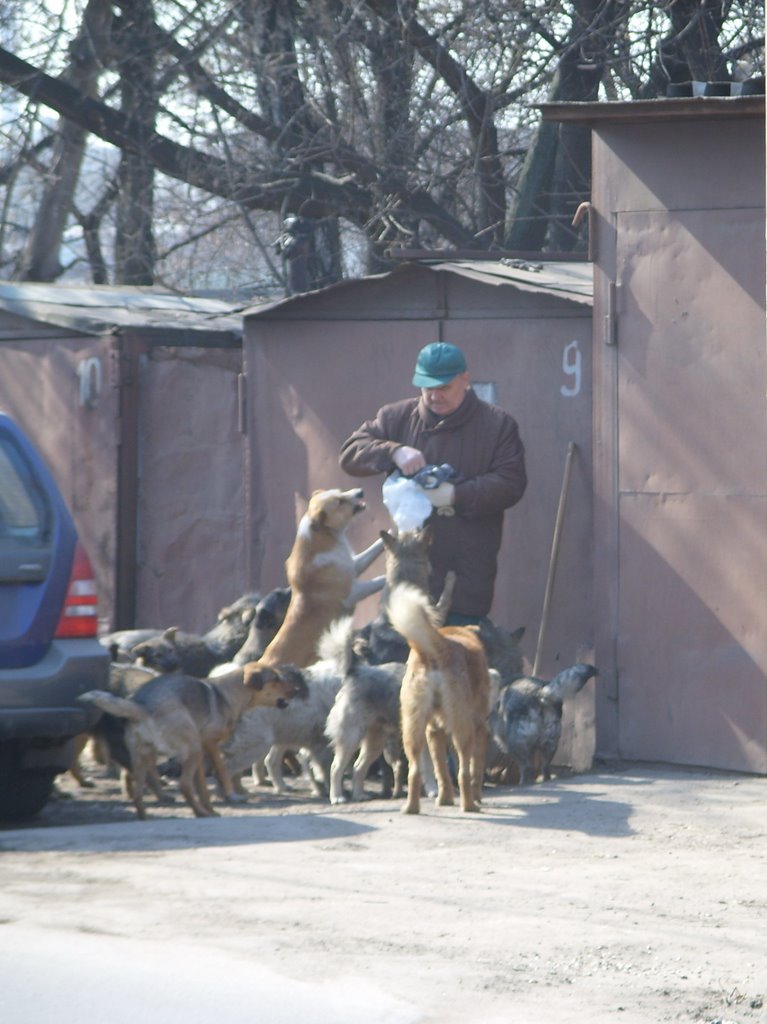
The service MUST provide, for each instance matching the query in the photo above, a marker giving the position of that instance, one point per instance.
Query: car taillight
(79, 616)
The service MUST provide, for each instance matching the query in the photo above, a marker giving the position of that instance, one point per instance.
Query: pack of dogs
(285, 682)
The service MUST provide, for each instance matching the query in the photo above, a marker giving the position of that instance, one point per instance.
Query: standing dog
(364, 718)
(445, 693)
(322, 573)
(366, 713)
(178, 716)
(407, 561)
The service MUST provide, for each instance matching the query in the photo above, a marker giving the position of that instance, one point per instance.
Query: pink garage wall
(680, 436)
(40, 389)
(320, 366)
(192, 524)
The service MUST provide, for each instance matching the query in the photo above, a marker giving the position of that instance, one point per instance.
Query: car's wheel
(23, 791)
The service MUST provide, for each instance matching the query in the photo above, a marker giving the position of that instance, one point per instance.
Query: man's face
(446, 399)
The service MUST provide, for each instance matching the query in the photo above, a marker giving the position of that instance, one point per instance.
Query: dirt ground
(632, 893)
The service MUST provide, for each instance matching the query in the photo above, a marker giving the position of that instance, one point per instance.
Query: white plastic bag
(406, 501)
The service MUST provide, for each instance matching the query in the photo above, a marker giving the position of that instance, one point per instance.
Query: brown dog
(179, 716)
(322, 572)
(445, 694)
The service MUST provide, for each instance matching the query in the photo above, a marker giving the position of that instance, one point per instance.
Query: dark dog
(526, 723)
(502, 649)
(230, 631)
(176, 651)
(222, 640)
(269, 616)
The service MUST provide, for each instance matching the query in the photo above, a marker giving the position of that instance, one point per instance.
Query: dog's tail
(118, 706)
(336, 644)
(412, 614)
(568, 682)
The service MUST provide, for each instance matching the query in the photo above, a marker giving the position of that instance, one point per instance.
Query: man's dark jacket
(482, 443)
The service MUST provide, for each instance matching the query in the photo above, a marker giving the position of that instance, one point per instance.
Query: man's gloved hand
(442, 496)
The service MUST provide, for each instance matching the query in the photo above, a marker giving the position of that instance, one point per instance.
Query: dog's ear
(293, 675)
(254, 675)
(360, 647)
(389, 540)
(426, 534)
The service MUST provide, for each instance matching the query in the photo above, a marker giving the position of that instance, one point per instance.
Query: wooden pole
(554, 555)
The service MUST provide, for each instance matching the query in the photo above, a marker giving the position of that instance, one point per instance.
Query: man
(450, 424)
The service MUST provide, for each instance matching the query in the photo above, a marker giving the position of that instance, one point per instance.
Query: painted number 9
(571, 365)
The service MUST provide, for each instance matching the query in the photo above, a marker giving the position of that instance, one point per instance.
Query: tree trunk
(556, 175)
(697, 24)
(134, 242)
(41, 258)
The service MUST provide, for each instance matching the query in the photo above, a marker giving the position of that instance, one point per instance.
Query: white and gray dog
(365, 719)
(299, 727)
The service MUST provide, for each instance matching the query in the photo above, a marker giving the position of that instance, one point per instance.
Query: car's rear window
(23, 510)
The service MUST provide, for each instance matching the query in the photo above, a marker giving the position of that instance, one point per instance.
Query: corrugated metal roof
(97, 309)
(566, 280)
(663, 109)
(571, 281)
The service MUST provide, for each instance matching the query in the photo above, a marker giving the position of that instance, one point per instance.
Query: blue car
(49, 651)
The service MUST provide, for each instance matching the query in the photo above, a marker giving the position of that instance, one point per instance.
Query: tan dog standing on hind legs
(322, 573)
(445, 696)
